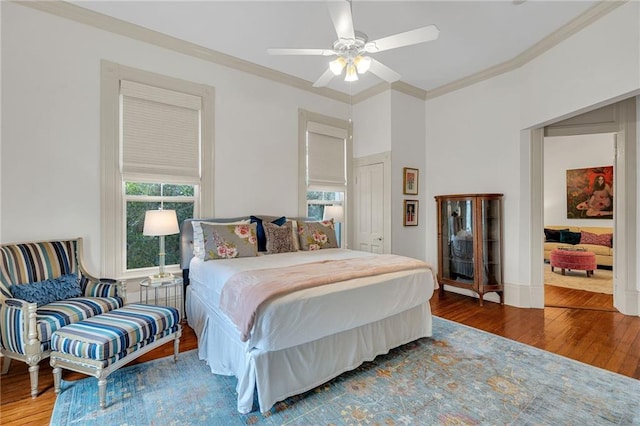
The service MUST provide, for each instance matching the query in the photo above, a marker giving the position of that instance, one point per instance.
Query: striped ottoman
(101, 344)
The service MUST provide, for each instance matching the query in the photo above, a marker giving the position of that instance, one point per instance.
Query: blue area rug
(460, 376)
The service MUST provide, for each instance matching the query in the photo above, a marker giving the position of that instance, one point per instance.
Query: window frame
(308, 119)
(113, 204)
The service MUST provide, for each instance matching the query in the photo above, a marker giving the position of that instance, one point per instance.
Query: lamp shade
(333, 212)
(160, 222)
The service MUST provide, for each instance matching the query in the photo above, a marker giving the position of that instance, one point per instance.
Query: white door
(369, 208)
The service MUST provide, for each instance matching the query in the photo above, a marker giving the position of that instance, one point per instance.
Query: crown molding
(117, 26)
(578, 23)
(369, 93)
(410, 90)
(127, 29)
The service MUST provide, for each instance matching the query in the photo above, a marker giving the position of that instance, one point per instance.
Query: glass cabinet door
(491, 241)
(457, 240)
(470, 243)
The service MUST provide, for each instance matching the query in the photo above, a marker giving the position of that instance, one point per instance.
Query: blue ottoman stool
(101, 344)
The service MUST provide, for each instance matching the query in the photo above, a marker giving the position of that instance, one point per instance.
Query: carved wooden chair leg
(57, 376)
(33, 373)
(176, 347)
(102, 392)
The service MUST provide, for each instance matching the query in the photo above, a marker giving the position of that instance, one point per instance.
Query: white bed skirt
(279, 374)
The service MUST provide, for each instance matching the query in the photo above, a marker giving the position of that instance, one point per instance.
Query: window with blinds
(157, 151)
(160, 164)
(326, 167)
(160, 134)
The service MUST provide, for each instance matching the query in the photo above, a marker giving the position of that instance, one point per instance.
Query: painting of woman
(601, 201)
(590, 193)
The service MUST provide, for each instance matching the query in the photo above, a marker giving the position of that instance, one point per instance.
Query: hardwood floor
(560, 297)
(602, 338)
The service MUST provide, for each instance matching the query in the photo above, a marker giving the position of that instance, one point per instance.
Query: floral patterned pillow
(317, 235)
(198, 237)
(229, 241)
(279, 238)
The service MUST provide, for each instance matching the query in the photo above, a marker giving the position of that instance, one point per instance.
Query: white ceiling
(474, 35)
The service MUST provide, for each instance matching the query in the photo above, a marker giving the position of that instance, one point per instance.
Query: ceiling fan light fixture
(363, 63)
(352, 74)
(336, 66)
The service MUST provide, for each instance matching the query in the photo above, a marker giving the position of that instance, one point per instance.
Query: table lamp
(337, 214)
(158, 223)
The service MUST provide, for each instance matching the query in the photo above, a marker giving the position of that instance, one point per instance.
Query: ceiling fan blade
(312, 52)
(408, 38)
(340, 12)
(383, 71)
(324, 79)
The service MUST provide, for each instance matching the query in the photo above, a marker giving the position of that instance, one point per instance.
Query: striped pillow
(596, 239)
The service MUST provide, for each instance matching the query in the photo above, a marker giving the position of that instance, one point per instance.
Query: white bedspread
(317, 312)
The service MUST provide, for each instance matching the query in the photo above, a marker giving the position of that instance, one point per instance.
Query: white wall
(51, 128)
(598, 63)
(562, 153)
(393, 121)
(372, 125)
(473, 134)
(472, 147)
(408, 150)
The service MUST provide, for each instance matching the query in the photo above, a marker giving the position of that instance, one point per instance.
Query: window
(142, 251)
(157, 152)
(317, 200)
(325, 158)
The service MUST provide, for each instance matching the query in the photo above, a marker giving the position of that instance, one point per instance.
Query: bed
(301, 339)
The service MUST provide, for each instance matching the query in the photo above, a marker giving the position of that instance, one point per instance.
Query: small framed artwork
(410, 212)
(410, 181)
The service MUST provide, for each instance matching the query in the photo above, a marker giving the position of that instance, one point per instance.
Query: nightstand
(164, 293)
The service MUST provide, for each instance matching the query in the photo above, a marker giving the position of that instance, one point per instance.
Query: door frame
(369, 160)
(626, 297)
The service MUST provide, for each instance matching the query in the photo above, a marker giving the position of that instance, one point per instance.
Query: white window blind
(160, 134)
(326, 158)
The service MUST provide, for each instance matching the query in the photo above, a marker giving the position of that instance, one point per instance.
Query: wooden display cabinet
(470, 249)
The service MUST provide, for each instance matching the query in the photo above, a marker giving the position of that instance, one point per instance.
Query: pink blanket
(246, 291)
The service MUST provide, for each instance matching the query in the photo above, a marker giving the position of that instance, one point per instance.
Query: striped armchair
(26, 326)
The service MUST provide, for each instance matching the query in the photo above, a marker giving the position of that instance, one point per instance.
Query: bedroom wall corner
(372, 125)
(408, 143)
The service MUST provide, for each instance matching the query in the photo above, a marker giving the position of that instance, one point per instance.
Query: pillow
(51, 290)
(597, 239)
(279, 238)
(198, 239)
(294, 233)
(552, 235)
(317, 235)
(262, 239)
(229, 240)
(104, 288)
(569, 237)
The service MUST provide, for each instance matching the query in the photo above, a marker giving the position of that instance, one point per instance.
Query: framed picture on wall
(410, 181)
(410, 212)
(590, 193)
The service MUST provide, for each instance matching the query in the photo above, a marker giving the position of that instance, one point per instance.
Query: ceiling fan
(352, 48)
